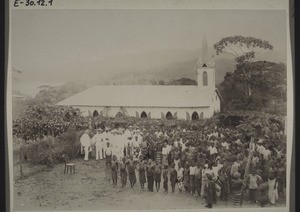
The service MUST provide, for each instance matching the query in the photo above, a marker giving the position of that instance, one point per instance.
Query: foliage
(181, 81)
(49, 95)
(244, 50)
(39, 121)
(69, 142)
(268, 88)
(270, 127)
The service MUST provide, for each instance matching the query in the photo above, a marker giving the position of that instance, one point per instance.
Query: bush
(69, 143)
(39, 152)
(49, 150)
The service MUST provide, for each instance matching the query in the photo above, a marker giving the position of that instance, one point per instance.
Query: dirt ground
(90, 188)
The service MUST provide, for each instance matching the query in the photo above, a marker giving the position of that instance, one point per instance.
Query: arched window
(95, 113)
(169, 115)
(143, 114)
(205, 78)
(119, 115)
(195, 116)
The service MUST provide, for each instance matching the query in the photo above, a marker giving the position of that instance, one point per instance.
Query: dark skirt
(108, 160)
(166, 185)
(157, 177)
(142, 176)
(236, 199)
(198, 184)
(114, 174)
(132, 177)
(192, 183)
(150, 182)
(123, 177)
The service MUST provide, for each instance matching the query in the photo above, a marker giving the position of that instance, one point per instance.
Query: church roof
(141, 96)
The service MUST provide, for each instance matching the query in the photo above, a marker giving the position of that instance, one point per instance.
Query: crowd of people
(215, 164)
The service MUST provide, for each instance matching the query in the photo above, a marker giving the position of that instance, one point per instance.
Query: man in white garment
(85, 142)
(97, 139)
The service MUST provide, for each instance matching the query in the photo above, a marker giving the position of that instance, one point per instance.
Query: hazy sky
(45, 38)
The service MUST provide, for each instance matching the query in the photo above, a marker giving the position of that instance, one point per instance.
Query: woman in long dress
(150, 172)
(236, 189)
(142, 172)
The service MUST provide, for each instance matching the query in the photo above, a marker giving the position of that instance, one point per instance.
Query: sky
(43, 38)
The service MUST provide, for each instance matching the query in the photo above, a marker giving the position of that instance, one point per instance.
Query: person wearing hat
(99, 143)
(85, 142)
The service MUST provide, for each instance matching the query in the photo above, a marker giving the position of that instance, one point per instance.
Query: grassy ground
(90, 188)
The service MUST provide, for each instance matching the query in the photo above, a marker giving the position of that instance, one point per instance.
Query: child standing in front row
(114, 170)
(165, 177)
(157, 175)
(180, 177)
(186, 178)
(173, 177)
(108, 155)
(192, 178)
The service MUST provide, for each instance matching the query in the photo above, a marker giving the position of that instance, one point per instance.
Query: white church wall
(156, 113)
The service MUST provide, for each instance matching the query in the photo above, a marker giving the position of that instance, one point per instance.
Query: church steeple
(206, 68)
(206, 58)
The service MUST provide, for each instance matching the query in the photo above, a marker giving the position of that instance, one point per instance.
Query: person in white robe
(97, 139)
(85, 142)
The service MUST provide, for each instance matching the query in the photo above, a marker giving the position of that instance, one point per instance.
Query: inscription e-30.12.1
(32, 3)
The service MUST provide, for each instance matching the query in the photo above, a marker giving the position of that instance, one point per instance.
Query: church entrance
(144, 115)
(95, 113)
(195, 116)
(169, 115)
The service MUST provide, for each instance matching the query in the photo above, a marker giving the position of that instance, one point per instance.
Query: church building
(190, 102)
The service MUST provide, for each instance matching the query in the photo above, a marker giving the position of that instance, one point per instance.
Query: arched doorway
(119, 115)
(144, 115)
(95, 113)
(169, 115)
(195, 116)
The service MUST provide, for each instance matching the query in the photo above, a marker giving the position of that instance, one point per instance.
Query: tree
(268, 89)
(182, 81)
(244, 50)
(50, 95)
(39, 121)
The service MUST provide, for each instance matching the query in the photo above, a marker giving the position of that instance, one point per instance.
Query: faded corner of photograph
(149, 109)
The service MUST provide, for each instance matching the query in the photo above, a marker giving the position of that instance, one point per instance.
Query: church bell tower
(206, 68)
